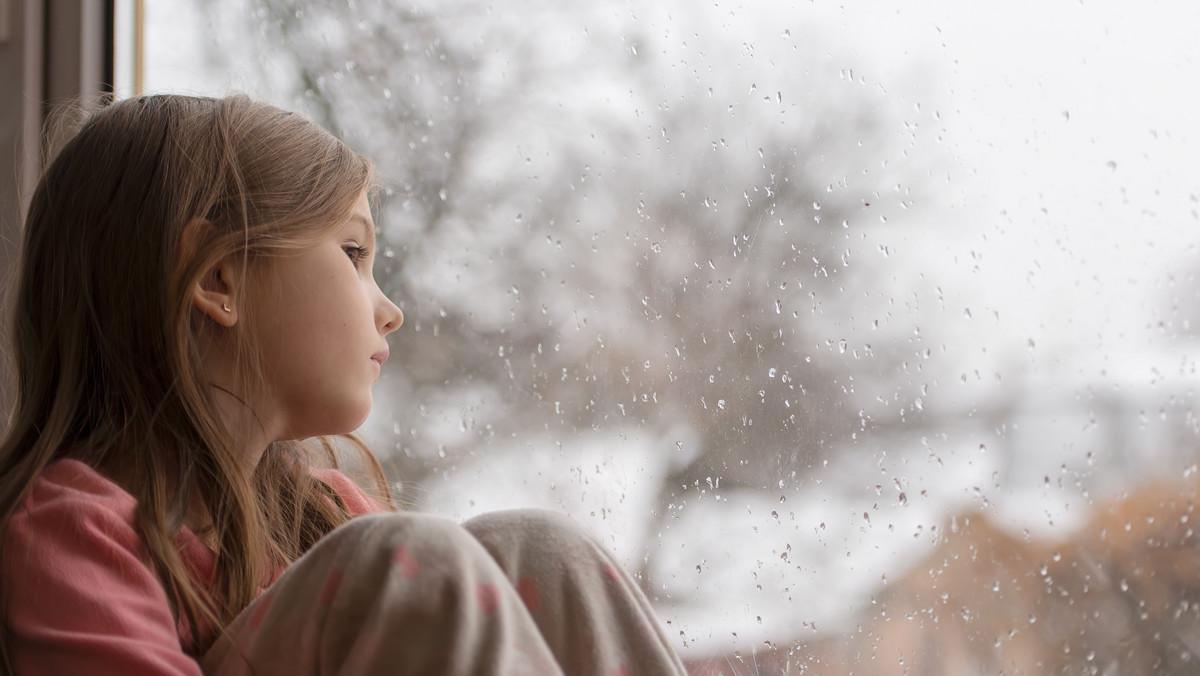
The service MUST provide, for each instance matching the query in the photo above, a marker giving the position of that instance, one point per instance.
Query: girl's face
(321, 322)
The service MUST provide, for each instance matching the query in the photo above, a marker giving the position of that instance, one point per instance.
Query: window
(865, 335)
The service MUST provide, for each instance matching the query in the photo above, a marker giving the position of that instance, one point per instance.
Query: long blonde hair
(105, 333)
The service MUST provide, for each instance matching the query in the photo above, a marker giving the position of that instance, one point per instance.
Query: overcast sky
(1075, 124)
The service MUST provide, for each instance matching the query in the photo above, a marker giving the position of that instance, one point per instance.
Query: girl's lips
(380, 357)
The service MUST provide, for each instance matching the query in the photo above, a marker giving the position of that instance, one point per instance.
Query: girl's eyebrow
(368, 229)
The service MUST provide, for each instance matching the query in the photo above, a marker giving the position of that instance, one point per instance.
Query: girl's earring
(225, 307)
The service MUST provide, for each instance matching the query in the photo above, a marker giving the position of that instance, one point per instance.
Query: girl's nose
(390, 317)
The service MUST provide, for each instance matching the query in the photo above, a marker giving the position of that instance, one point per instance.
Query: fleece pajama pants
(521, 592)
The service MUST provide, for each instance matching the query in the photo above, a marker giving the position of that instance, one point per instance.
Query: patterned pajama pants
(520, 592)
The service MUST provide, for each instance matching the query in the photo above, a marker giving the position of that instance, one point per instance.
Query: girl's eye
(357, 254)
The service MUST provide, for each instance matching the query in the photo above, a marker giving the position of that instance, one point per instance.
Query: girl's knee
(508, 544)
(380, 545)
(535, 525)
(520, 538)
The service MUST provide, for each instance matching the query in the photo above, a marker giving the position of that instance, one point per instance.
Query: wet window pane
(866, 336)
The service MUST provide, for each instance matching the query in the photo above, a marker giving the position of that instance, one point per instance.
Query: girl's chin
(346, 423)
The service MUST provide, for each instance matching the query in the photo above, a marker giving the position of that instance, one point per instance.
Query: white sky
(1076, 127)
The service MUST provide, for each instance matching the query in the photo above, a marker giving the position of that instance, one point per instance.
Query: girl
(195, 298)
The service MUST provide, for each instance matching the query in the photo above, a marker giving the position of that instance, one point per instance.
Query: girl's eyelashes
(356, 254)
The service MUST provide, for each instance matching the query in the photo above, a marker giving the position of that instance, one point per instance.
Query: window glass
(865, 335)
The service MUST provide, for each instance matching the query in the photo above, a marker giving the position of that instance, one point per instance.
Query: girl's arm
(81, 597)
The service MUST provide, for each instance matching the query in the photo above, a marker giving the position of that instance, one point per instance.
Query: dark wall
(50, 50)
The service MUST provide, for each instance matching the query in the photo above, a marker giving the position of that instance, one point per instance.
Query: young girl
(194, 300)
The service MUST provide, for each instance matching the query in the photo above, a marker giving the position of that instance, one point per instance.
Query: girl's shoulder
(356, 499)
(80, 588)
(73, 487)
(70, 510)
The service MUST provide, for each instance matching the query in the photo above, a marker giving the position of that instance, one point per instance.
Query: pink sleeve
(357, 501)
(82, 598)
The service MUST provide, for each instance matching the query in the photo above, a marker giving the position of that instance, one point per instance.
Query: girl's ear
(214, 293)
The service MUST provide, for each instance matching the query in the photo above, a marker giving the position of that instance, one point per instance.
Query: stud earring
(225, 307)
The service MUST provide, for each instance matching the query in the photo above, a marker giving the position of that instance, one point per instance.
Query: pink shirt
(82, 595)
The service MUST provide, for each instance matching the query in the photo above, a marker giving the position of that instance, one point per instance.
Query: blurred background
(865, 334)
